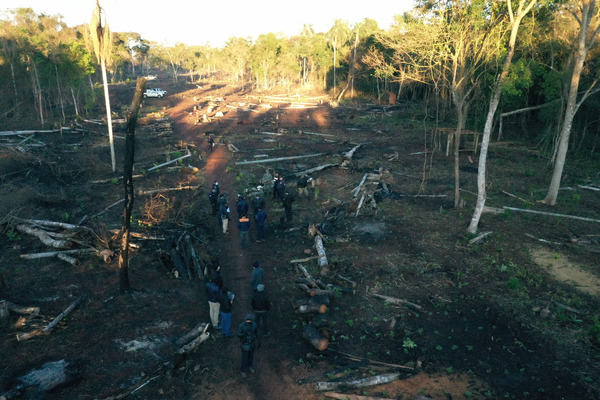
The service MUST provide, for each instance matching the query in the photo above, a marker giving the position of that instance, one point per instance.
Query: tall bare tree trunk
(108, 116)
(584, 43)
(495, 100)
(124, 285)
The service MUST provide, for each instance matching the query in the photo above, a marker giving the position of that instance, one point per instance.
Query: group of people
(254, 328)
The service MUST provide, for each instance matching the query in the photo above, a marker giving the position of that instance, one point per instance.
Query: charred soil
(492, 320)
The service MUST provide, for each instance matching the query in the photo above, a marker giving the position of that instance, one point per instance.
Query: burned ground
(492, 320)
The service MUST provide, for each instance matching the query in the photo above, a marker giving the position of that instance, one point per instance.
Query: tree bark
(584, 44)
(495, 100)
(358, 383)
(124, 284)
(314, 337)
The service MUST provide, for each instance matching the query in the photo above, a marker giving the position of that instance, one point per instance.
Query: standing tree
(337, 35)
(515, 21)
(588, 18)
(102, 40)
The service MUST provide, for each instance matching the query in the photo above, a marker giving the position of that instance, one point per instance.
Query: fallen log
(51, 224)
(199, 270)
(33, 256)
(342, 289)
(19, 309)
(344, 396)
(189, 154)
(301, 260)
(307, 282)
(314, 300)
(192, 334)
(358, 383)
(143, 192)
(178, 262)
(479, 237)
(312, 308)
(315, 169)
(44, 379)
(394, 300)
(305, 272)
(552, 214)
(51, 325)
(194, 343)
(348, 154)
(44, 237)
(354, 284)
(322, 260)
(320, 320)
(328, 374)
(268, 160)
(357, 190)
(314, 337)
(360, 203)
(71, 260)
(356, 358)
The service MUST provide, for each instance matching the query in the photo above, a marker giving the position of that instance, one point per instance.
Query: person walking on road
(261, 225)
(212, 292)
(244, 227)
(257, 276)
(226, 307)
(261, 305)
(247, 332)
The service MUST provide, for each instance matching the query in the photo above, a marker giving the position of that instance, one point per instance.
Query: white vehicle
(156, 92)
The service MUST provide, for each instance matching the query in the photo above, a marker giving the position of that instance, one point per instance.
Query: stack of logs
(183, 256)
(316, 303)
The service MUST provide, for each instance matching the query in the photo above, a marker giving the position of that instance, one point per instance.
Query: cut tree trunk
(394, 300)
(314, 337)
(44, 237)
(358, 383)
(310, 301)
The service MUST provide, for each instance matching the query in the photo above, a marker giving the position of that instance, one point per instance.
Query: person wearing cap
(248, 341)
(302, 186)
(261, 304)
(257, 275)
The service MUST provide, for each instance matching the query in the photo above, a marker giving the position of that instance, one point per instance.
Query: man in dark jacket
(241, 206)
(212, 292)
(261, 223)
(213, 198)
(287, 201)
(258, 275)
(257, 203)
(244, 227)
(226, 307)
(261, 304)
(248, 341)
(302, 185)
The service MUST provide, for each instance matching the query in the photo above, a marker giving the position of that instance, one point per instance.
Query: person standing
(261, 222)
(211, 143)
(281, 188)
(247, 332)
(302, 185)
(257, 276)
(275, 184)
(226, 307)
(257, 202)
(224, 215)
(287, 201)
(212, 292)
(244, 227)
(242, 206)
(261, 304)
(213, 198)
